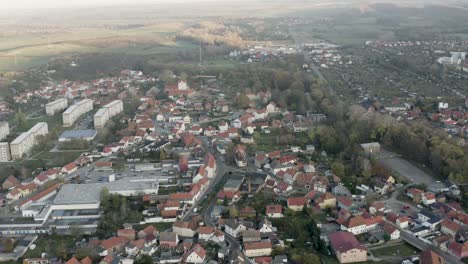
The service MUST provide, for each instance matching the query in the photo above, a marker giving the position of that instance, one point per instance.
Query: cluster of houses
(262, 53)
(16, 189)
(91, 89)
(454, 122)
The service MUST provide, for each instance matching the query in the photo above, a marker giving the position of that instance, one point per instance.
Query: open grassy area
(333, 260)
(54, 244)
(403, 249)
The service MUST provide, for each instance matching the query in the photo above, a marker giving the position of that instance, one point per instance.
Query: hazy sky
(37, 4)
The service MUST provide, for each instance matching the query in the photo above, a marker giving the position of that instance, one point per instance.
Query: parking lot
(407, 170)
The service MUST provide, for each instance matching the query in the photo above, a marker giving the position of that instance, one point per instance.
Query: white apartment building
(101, 117)
(4, 152)
(23, 143)
(115, 108)
(75, 111)
(56, 106)
(107, 112)
(4, 130)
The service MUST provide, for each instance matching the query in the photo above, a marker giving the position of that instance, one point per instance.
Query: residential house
(377, 207)
(458, 249)
(430, 257)
(274, 211)
(149, 230)
(251, 235)
(112, 245)
(403, 221)
(428, 198)
(185, 228)
(234, 228)
(258, 249)
(391, 231)
(449, 227)
(328, 200)
(359, 225)
(429, 219)
(69, 168)
(344, 202)
(205, 233)
(129, 233)
(347, 248)
(240, 155)
(10, 182)
(415, 194)
(297, 203)
(168, 239)
(196, 255)
(266, 227)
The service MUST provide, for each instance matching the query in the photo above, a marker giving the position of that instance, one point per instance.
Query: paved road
(421, 245)
(449, 259)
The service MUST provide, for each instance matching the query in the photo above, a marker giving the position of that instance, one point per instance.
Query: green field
(396, 250)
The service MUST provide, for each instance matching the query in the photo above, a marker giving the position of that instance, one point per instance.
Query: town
(194, 181)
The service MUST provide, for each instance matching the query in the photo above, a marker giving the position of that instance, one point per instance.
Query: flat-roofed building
(76, 111)
(4, 152)
(23, 144)
(101, 117)
(115, 108)
(56, 106)
(85, 134)
(4, 130)
(107, 112)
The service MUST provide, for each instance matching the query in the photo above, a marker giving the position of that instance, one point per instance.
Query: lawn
(333, 260)
(160, 226)
(54, 244)
(404, 249)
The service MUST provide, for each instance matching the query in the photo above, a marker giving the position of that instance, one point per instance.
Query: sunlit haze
(47, 4)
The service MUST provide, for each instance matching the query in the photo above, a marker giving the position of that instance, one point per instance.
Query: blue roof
(86, 133)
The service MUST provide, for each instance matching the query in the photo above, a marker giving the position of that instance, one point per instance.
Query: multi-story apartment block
(75, 111)
(101, 117)
(107, 112)
(56, 106)
(4, 130)
(23, 144)
(4, 152)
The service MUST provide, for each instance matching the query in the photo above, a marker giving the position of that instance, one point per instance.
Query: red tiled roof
(41, 194)
(206, 230)
(345, 201)
(181, 196)
(257, 245)
(113, 242)
(87, 260)
(199, 250)
(70, 166)
(103, 164)
(73, 261)
(430, 257)
(344, 241)
(169, 213)
(389, 229)
(392, 217)
(274, 209)
(297, 201)
(450, 225)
